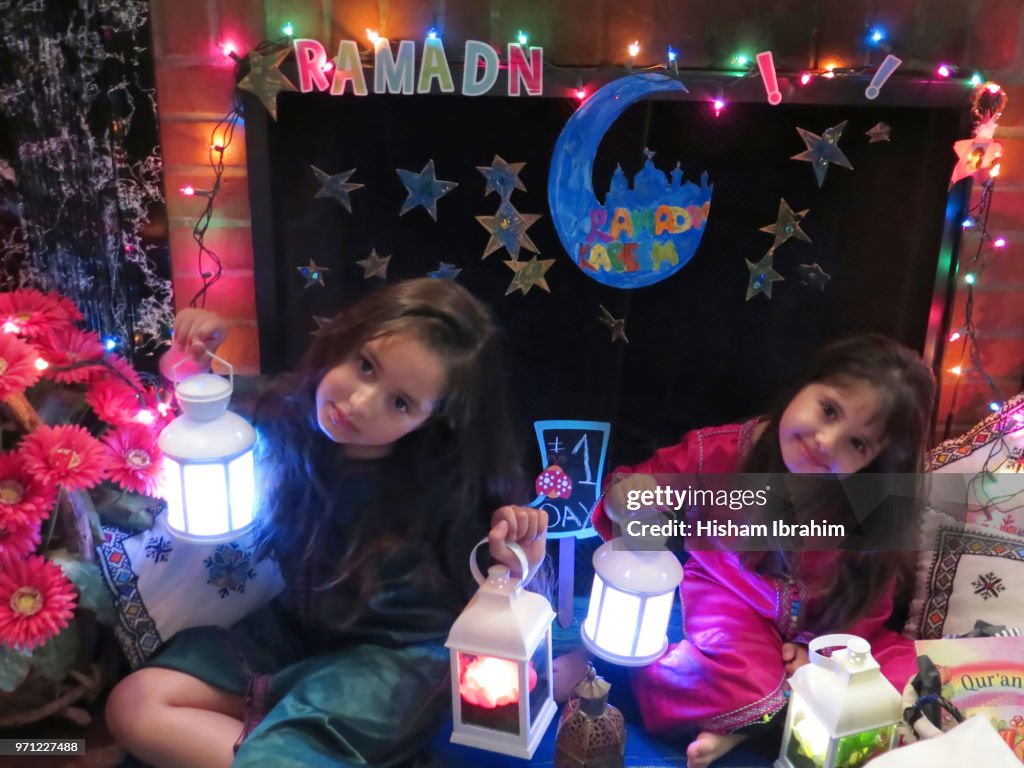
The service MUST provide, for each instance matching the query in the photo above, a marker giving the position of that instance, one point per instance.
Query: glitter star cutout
(508, 230)
(762, 276)
(617, 326)
(822, 150)
(313, 273)
(424, 189)
(265, 80)
(528, 274)
(502, 177)
(337, 186)
(787, 225)
(445, 271)
(374, 265)
(812, 276)
(878, 132)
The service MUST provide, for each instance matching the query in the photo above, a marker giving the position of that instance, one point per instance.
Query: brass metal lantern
(501, 664)
(842, 711)
(591, 732)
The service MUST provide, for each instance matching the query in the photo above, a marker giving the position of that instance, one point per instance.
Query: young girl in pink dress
(862, 405)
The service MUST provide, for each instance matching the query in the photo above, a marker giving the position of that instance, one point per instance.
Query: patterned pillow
(163, 584)
(971, 567)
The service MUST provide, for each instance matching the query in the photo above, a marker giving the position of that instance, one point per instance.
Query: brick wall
(194, 85)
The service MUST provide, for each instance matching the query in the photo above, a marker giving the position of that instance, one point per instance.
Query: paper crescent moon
(644, 233)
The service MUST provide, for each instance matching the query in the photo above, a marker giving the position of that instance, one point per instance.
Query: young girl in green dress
(381, 461)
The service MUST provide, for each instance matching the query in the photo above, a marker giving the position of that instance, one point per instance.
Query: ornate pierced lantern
(842, 711)
(208, 461)
(501, 664)
(630, 604)
(591, 733)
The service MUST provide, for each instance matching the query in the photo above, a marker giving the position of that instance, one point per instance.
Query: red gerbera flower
(134, 460)
(66, 347)
(113, 401)
(23, 499)
(18, 543)
(35, 314)
(36, 602)
(122, 367)
(67, 456)
(18, 369)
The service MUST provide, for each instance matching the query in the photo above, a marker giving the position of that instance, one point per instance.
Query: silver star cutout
(445, 271)
(617, 325)
(313, 273)
(878, 132)
(812, 276)
(265, 79)
(337, 186)
(762, 275)
(424, 189)
(787, 225)
(502, 177)
(374, 265)
(822, 150)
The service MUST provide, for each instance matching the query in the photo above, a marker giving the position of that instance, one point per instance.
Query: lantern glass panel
(240, 475)
(617, 627)
(206, 499)
(808, 737)
(171, 487)
(489, 692)
(657, 613)
(540, 681)
(857, 749)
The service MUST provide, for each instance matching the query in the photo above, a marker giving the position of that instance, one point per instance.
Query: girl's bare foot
(708, 747)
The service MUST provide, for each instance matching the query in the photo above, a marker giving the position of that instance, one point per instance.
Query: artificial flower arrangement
(79, 434)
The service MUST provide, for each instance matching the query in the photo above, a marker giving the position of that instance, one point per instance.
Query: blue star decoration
(337, 186)
(265, 80)
(424, 189)
(313, 273)
(762, 276)
(508, 229)
(812, 276)
(374, 265)
(528, 274)
(502, 177)
(445, 271)
(787, 225)
(822, 150)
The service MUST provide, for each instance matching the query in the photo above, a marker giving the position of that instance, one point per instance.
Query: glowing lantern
(208, 461)
(842, 711)
(630, 604)
(501, 660)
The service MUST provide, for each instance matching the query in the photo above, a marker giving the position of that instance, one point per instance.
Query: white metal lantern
(842, 710)
(208, 462)
(630, 604)
(501, 664)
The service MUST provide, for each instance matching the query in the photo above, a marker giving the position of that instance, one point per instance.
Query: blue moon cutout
(643, 233)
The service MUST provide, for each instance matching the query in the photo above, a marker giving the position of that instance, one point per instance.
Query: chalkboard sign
(572, 455)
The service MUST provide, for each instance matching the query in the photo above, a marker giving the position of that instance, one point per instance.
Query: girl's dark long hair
(907, 388)
(440, 483)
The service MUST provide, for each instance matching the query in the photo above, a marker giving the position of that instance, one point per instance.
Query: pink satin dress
(728, 673)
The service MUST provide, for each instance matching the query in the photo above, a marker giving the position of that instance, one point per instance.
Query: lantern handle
(831, 641)
(212, 356)
(516, 550)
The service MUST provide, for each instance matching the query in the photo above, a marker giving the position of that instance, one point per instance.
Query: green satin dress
(322, 689)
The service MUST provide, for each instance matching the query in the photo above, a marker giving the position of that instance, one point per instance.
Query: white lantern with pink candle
(501, 663)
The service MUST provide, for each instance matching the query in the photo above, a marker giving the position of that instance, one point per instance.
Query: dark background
(699, 354)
